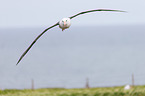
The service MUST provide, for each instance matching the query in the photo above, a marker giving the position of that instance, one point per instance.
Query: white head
(64, 23)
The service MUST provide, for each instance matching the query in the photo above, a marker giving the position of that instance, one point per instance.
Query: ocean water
(106, 55)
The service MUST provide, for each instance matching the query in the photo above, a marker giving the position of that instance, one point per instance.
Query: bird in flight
(63, 24)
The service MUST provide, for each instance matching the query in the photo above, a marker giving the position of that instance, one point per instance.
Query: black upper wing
(95, 11)
(35, 41)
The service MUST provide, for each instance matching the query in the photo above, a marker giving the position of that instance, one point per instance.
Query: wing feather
(35, 41)
(95, 11)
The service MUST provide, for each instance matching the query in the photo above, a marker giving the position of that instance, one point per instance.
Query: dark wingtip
(125, 11)
(18, 62)
(122, 11)
(113, 10)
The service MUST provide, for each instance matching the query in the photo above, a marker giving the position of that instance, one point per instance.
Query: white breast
(64, 23)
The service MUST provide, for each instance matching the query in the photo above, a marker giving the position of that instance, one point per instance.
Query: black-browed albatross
(63, 24)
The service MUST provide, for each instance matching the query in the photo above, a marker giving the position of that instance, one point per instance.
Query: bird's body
(63, 24)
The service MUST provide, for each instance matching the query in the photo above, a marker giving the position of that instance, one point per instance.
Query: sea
(102, 56)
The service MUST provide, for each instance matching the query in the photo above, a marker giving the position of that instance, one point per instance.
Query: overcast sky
(38, 13)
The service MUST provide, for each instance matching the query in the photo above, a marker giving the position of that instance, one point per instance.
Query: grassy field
(110, 91)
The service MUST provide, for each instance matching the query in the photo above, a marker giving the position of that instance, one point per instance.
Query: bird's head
(64, 23)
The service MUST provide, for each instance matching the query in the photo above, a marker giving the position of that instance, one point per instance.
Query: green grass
(110, 91)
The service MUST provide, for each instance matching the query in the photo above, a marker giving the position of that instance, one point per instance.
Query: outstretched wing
(35, 41)
(94, 11)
